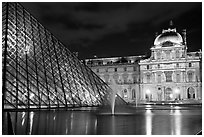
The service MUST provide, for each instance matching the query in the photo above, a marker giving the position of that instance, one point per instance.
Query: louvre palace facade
(170, 73)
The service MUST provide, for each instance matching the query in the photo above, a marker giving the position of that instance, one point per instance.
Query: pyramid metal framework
(39, 71)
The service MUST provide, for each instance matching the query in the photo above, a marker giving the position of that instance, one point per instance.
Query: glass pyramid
(38, 71)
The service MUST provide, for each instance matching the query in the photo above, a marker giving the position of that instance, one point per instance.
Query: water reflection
(148, 122)
(31, 123)
(177, 122)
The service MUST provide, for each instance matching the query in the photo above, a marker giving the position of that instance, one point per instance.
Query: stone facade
(120, 73)
(170, 73)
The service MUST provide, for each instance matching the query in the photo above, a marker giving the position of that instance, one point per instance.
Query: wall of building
(171, 73)
(123, 77)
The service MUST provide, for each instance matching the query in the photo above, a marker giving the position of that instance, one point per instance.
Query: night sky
(117, 29)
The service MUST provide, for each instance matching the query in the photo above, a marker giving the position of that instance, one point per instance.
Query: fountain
(113, 97)
(124, 109)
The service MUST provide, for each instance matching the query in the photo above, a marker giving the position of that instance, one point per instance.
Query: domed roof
(169, 35)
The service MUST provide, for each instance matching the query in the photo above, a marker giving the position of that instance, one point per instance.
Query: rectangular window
(190, 65)
(177, 54)
(115, 69)
(168, 54)
(159, 78)
(158, 55)
(148, 78)
(190, 77)
(177, 78)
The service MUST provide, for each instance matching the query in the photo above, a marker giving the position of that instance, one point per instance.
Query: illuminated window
(191, 93)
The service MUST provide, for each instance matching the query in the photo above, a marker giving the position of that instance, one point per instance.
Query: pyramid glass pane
(39, 71)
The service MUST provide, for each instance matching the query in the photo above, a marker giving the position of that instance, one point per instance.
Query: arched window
(191, 93)
(168, 75)
(125, 93)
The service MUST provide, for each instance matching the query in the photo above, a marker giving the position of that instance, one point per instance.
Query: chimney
(156, 34)
(171, 23)
(184, 36)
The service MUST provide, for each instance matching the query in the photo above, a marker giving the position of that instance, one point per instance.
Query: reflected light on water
(23, 118)
(159, 122)
(31, 122)
(148, 105)
(95, 126)
(148, 122)
(177, 118)
(87, 123)
(71, 126)
(113, 125)
(177, 107)
(66, 132)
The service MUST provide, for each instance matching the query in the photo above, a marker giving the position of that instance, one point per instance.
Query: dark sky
(117, 29)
